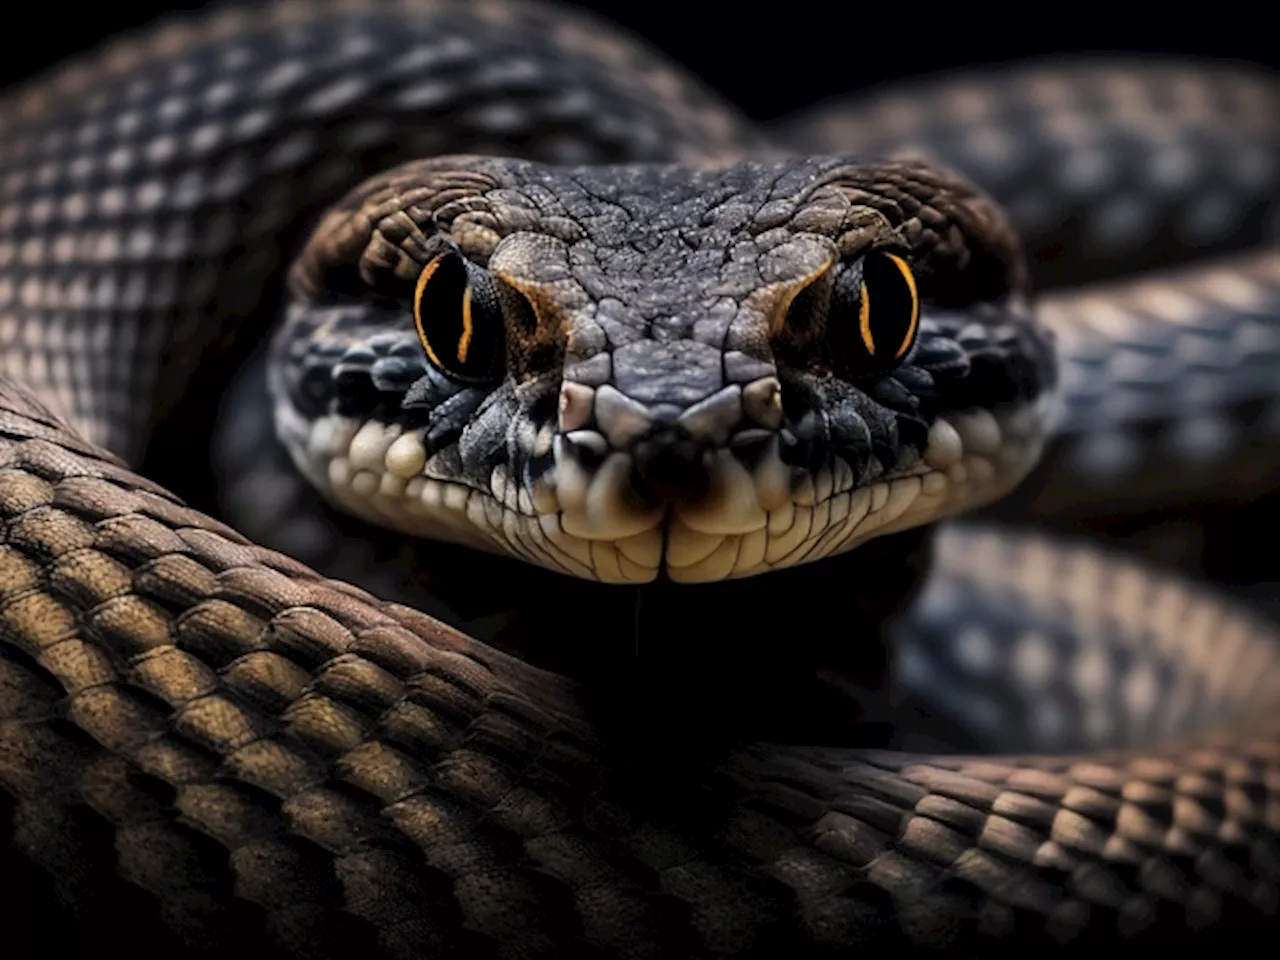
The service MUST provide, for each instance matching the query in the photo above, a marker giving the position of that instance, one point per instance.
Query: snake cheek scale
(207, 746)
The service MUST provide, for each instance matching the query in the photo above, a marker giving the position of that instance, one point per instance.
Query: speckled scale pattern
(1201, 341)
(132, 183)
(1220, 322)
(1024, 676)
(219, 743)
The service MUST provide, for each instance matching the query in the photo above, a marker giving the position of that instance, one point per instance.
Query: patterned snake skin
(207, 747)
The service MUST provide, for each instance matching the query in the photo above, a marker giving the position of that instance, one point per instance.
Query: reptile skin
(207, 747)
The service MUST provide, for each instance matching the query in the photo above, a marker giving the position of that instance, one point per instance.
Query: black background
(775, 57)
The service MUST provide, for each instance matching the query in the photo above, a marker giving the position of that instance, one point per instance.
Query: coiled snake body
(638, 373)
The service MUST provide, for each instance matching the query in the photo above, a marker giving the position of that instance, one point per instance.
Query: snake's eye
(875, 314)
(889, 307)
(458, 318)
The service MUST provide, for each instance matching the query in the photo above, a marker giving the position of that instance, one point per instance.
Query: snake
(659, 652)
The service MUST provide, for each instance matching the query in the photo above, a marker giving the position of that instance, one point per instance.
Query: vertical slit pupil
(894, 312)
(458, 319)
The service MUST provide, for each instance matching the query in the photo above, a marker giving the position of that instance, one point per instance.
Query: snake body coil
(207, 746)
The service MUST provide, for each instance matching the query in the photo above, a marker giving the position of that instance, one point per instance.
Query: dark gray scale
(1008, 671)
(1168, 387)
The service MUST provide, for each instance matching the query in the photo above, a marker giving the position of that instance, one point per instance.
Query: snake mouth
(664, 508)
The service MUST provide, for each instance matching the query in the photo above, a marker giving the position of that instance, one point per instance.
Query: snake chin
(588, 516)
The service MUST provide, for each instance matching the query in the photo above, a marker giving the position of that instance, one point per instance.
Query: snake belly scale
(207, 746)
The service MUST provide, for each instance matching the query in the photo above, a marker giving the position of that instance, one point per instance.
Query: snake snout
(671, 466)
(671, 448)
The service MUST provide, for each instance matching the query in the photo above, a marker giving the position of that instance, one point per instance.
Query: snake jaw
(745, 511)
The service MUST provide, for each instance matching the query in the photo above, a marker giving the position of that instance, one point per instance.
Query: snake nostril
(671, 466)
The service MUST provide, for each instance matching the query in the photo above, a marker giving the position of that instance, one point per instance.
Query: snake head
(626, 373)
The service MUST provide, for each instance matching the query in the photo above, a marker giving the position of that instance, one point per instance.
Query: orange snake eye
(458, 319)
(889, 306)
